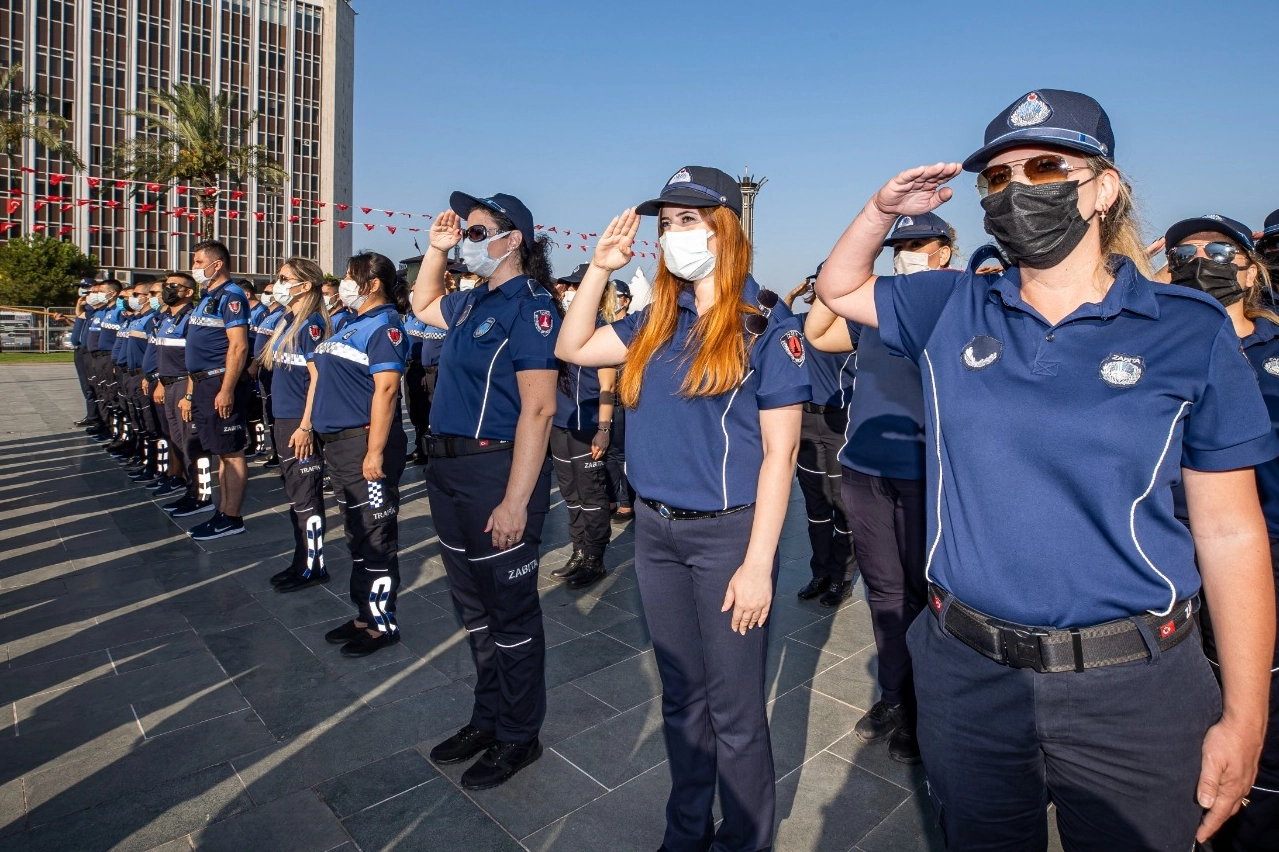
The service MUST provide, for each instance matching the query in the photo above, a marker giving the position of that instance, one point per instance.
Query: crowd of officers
(1029, 478)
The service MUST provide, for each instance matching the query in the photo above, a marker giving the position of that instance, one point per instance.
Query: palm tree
(22, 119)
(190, 141)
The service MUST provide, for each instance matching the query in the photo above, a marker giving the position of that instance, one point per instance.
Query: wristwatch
(188, 397)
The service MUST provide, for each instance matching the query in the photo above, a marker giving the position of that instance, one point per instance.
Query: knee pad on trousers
(259, 434)
(162, 454)
(204, 476)
(314, 526)
(379, 597)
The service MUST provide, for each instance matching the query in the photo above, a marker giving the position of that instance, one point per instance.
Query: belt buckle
(1021, 649)
(664, 511)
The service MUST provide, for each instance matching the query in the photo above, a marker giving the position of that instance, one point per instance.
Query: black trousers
(304, 486)
(494, 591)
(184, 444)
(419, 390)
(83, 372)
(713, 695)
(584, 487)
(619, 487)
(106, 383)
(370, 513)
(1116, 749)
(821, 438)
(889, 529)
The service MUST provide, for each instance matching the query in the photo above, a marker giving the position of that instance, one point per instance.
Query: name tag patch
(981, 352)
(1122, 371)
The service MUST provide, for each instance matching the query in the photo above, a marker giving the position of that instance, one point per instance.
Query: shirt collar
(750, 295)
(1265, 331)
(1130, 292)
(513, 286)
(372, 312)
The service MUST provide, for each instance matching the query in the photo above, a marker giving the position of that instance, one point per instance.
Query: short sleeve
(1228, 427)
(235, 309)
(909, 307)
(310, 335)
(387, 349)
(451, 305)
(533, 336)
(780, 358)
(626, 327)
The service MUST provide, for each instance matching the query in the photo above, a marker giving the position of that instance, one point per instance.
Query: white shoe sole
(223, 534)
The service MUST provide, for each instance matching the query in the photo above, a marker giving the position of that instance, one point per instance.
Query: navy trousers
(818, 469)
(584, 487)
(713, 703)
(1116, 749)
(494, 591)
(83, 371)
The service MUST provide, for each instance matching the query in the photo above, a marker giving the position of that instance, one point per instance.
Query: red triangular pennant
(295, 218)
(55, 179)
(391, 228)
(153, 187)
(94, 183)
(344, 206)
(236, 195)
(368, 226)
(181, 190)
(342, 225)
(366, 210)
(259, 215)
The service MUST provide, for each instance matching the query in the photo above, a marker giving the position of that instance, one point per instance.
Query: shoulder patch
(542, 319)
(981, 352)
(1122, 371)
(393, 335)
(234, 306)
(315, 332)
(793, 342)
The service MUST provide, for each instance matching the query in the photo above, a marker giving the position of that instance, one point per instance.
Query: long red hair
(717, 346)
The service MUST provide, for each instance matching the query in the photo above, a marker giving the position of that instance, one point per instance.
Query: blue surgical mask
(154, 302)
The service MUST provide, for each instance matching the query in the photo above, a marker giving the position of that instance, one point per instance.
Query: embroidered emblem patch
(681, 176)
(1122, 371)
(903, 222)
(793, 343)
(315, 332)
(484, 328)
(393, 334)
(234, 306)
(982, 351)
(466, 312)
(1032, 110)
(1271, 366)
(542, 319)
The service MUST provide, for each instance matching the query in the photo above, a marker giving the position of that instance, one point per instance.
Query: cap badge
(903, 222)
(1214, 217)
(1122, 371)
(981, 352)
(1031, 111)
(793, 343)
(1271, 366)
(484, 327)
(681, 176)
(542, 319)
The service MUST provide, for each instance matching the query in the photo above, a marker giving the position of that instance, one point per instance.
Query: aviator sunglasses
(479, 233)
(757, 324)
(1217, 252)
(1046, 168)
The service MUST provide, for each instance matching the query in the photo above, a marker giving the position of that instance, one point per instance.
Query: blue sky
(583, 109)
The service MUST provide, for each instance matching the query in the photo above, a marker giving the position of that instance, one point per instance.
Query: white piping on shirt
(1132, 512)
(932, 380)
(843, 400)
(723, 425)
(488, 383)
(577, 397)
(848, 422)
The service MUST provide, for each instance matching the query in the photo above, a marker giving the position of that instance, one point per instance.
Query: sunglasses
(1269, 251)
(1217, 252)
(479, 233)
(757, 324)
(1046, 168)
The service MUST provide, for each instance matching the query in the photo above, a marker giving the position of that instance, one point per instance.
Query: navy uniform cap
(1271, 228)
(508, 205)
(1236, 231)
(621, 288)
(696, 186)
(818, 271)
(458, 267)
(923, 226)
(575, 277)
(1052, 117)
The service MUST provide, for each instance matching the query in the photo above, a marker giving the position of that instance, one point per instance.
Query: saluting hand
(613, 251)
(446, 232)
(919, 190)
(749, 596)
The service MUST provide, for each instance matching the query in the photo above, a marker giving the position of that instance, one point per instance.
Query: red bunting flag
(317, 221)
(66, 208)
(114, 205)
(37, 227)
(552, 230)
(191, 217)
(391, 228)
(569, 246)
(5, 226)
(121, 184)
(179, 211)
(145, 208)
(236, 195)
(368, 226)
(295, 201)
(259, 215)
(64, 230)
(14, 204)
(153, 187)
(295, 218)
(366, 210)
(410, 215)
(344, 207)
(415, 230)
(209, 211)
(55, 179)
(233, 214)
(93, 229)
(342, 225)
(94, 183)
(40, 205)
(210, 191)
(27, 169)
(16, 193)
(83, 201)
(538, 227)
(321, 204)
(389, 213)
(182, 190)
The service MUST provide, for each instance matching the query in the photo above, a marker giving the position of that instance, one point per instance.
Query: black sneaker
(499, 763)
(836, 594)
(570, 567)
(86, 421)
(102, 437)
(815, 587)
(902, 745)
(591, 572)
(364, 644)
(297, 581)
(881, 721)
(342, 635)
(219, 526)
(463, 745)
(188, 506)
(280, 576)
(166, 486)
(272, 463)
(145, 475)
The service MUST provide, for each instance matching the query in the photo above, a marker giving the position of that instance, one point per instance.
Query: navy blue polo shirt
(93, 329)
(339, 318)
(136, 335)
(150, 353)
(493, 334)
(832, 376)
(704, 453)
(171, 343)
(416, 330)
(1053, 449)
(577, 396)
(77, 327)
(885, 434)
(222, 308)
(118, 347)
(265, 326)
(109, 321)
(1262, 349)
(346, 363)
(290, 379)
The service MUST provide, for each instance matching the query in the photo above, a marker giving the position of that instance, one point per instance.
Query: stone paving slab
(156, 694)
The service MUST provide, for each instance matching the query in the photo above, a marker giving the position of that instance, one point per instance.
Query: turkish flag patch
(793, 343)
(543, 321)
(1167, 629)
(394, 335)
(315, 332)
(936, 603)
(234, 306)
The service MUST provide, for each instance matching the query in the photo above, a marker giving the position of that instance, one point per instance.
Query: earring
(1103, 215)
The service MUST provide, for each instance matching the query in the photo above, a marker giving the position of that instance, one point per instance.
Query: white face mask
(135, 303)
(686, 254)
(476, 256)
(349, 293)
(567, 298)
(96, 300)
(267, 299)
(330, 302)
(282, 293)
(910, 262)
(467, 283)
(201, 277)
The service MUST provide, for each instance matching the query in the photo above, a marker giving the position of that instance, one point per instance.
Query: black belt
(129, 372)
(169, 380)
(201, 375)
(452, 446)
(670, 513)
(1047, 650)
(354, 432)
(814, 408)
(434, 368)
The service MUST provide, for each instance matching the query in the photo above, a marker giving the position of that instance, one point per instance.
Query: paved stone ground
(156, 694)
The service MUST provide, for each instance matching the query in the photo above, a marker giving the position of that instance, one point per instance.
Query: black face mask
(1038, 226)
(169, 295)
(1219, 280)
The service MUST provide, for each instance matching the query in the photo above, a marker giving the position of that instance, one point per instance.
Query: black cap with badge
(696, 186)
(575, 277)
(1232, 229)
(1051, 117)
(1270, 230)
(508, 205)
